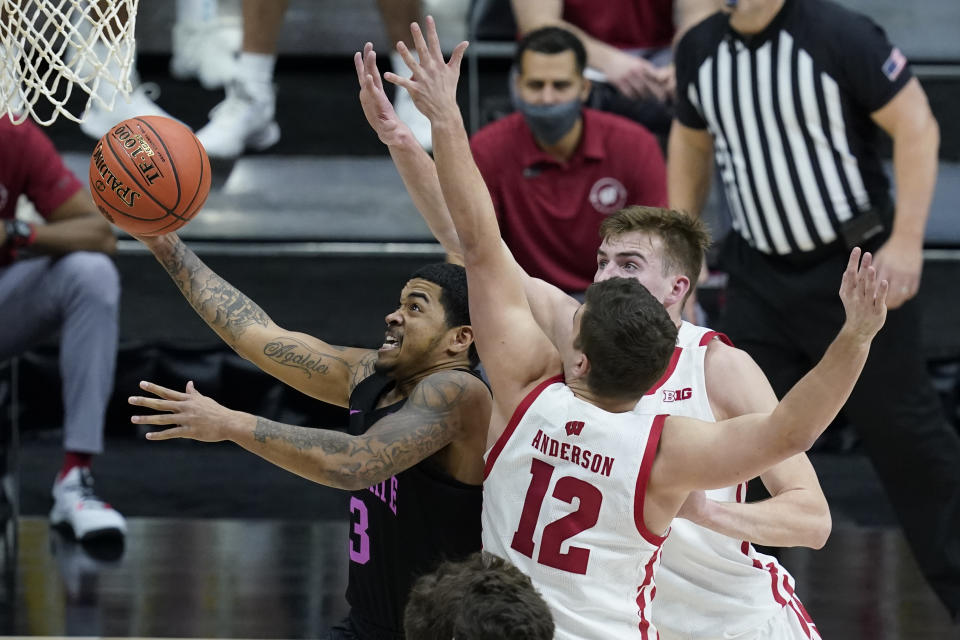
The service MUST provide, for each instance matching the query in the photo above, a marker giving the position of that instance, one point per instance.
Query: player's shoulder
(453, 388)
(721, 353)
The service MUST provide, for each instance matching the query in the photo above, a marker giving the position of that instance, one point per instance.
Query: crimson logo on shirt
(574, 427)
(608, 195)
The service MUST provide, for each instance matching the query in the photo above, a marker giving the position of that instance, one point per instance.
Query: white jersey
(710, 585)
(563, 499)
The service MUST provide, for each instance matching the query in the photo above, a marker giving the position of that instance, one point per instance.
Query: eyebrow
(624, 254)
(417, 294)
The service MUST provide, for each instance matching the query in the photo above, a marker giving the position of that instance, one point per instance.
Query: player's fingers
(393, 78)
(158, 418)
(418, 42)
(882, 291)
(163, 392)
(358, 65)
(153, 403)
(433, 40)
(866, 261)
(854, 260)
(167, 434)
(409, 58)
(372, 70)
(457, 56)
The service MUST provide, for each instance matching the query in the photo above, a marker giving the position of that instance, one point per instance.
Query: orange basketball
(149, 175)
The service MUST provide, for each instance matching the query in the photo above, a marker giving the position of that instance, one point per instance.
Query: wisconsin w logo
(574, 427)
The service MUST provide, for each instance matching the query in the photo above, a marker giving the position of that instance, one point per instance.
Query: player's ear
(677, 294)
(461, 338)
(581, 365)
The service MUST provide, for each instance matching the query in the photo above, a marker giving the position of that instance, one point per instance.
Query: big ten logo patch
(677, 395)
(608, 195)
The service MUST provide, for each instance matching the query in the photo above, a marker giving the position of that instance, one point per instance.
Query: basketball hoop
(52, 50)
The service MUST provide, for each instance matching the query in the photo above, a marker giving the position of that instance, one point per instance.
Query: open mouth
(390, 343)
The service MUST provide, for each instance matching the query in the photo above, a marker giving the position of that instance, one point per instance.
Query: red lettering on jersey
(574, 427)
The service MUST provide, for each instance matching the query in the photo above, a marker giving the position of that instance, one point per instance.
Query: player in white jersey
(620, 343)
(712, 585)
(663, 250)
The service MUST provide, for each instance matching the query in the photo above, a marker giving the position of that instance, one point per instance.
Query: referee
(788, 96)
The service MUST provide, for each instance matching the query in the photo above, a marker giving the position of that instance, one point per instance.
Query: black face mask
(550, 122)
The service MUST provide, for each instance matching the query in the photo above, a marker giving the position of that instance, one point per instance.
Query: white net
(57, 56)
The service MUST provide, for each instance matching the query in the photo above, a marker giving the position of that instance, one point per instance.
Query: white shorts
(790, 623)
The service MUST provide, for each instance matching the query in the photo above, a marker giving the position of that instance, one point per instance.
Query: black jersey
(789, 110)
(402, 527)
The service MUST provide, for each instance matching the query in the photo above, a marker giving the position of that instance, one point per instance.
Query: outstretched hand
(376, 107)
(196, 416)
(433, 85)
(864, 295)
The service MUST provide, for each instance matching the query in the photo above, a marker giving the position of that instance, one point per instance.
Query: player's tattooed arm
(223, 307)
(431, 418)
(316, 368)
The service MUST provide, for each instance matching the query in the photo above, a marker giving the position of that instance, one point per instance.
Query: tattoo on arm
(363, 369)
(291, 352)
(427, 423)
(222, 306)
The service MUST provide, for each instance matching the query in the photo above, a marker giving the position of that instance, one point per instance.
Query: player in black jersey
(413, 455)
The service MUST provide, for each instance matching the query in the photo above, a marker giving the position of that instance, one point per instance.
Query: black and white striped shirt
(789, 111)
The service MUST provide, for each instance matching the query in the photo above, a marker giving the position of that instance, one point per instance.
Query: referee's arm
(916, 140)
(689, 167)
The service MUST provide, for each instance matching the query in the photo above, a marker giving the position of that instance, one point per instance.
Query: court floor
(219, 578)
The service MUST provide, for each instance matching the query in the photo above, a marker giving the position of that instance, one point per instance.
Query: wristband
(19, 234)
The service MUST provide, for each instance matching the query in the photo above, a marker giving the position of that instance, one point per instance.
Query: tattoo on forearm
(218, 303)
(425, 425)
(291, 352)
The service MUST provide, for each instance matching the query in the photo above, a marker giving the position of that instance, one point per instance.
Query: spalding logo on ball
(149, 175)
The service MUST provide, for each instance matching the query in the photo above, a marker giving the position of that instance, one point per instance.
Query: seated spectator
(481, 598)
(628, 45)
(58, 278)
(555, 169)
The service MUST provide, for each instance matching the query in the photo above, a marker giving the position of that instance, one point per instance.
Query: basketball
(149, 175)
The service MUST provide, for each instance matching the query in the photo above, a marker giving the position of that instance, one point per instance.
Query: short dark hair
(483, 597)
(551, 40)
(452, 280)
(627, 336)
(685, 237)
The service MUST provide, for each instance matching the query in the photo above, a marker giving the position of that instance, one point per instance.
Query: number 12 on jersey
(585, 517)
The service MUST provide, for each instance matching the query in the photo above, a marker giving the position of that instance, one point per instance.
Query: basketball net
(51, 50)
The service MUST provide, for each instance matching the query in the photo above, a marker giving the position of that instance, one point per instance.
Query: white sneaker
(97, 121)
(419, 124)
(206, 51)
(242, 121)
(75, 504)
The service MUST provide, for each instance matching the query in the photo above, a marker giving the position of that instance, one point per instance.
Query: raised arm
(702, 455)
(320, 370)
(549, 304)
(515, 351)
(443, 408)
(797, 513)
